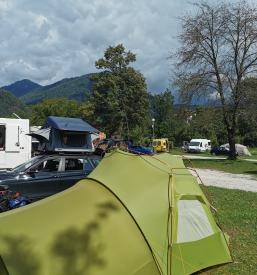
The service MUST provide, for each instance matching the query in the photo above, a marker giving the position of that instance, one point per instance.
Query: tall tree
(248, 113)
(119, 95)
(54, 107)
(219, 50)
(161, 106)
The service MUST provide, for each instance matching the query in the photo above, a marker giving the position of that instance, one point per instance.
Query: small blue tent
(64, 134)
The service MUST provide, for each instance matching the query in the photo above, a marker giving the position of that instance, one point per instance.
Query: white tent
(240, 149)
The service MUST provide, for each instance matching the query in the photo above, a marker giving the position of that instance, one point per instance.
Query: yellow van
(161, 145)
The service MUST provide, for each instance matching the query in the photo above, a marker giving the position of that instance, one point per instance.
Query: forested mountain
(78, 88)
(10, 104)
(21, 87)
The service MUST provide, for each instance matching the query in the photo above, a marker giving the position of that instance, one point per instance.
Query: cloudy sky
(48, 40)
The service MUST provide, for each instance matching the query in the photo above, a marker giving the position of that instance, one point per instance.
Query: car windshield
(156, 143)
(194, 143)
(26, 165)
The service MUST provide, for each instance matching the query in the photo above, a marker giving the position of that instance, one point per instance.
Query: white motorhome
(199, 145)
(15, 144)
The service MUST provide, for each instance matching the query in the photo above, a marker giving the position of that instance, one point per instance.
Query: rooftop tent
(65, 134)
(69, 124)
(135, 215)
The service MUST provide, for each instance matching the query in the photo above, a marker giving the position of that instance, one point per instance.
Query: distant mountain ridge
(21, 87)
(78, 88)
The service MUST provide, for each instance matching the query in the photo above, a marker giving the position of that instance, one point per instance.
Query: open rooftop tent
(135, 215)
(65, 134)
(69, 124)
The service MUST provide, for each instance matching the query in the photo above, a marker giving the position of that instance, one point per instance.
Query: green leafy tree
(54, 107)
(199, 122)
(162, 111)
(247, 121)
(10, 104)
(207, 122)
(120, 98)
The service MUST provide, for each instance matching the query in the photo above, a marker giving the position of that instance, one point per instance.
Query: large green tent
(135, 215)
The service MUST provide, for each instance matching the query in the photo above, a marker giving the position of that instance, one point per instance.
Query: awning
(42, 135)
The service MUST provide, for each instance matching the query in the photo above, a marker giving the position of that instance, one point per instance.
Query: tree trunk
(232, 144)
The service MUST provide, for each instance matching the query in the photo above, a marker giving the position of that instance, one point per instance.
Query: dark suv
(45, 175)
(219, 150)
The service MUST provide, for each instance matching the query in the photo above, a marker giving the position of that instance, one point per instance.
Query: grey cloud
(48, 40)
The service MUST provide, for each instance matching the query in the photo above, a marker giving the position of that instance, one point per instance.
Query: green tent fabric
(135, 215)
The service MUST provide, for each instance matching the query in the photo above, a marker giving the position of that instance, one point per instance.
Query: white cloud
(46, 41)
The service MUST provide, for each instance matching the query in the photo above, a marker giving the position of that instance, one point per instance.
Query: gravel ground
(212, 157)
(227, 180)
(202, 157)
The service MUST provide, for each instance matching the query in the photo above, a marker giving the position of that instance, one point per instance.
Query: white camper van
(15, 145)
(199, 145)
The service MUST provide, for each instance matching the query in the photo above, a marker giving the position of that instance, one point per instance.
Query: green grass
(253, 151)
(237, 216)
(231, 166)
(177, 151)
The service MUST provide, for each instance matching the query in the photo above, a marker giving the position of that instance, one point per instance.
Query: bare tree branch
(218, 51)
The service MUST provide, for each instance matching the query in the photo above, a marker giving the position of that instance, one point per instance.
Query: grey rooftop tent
(63, 134)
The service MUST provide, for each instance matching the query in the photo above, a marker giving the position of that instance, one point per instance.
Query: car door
(73, 170)
(41, 180)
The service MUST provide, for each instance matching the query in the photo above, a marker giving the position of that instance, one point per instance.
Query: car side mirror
(31, 173)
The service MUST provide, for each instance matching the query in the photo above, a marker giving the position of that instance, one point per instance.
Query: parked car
(45, 175)
(140, 150)
(219, 150)
(109, 144)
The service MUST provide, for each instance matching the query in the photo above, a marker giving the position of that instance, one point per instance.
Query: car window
(24, 166)
(72, 164)
(50, 165)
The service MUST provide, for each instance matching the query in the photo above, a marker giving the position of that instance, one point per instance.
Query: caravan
(15, 144)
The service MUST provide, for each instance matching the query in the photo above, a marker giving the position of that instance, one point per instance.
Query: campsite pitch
(237, 216)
